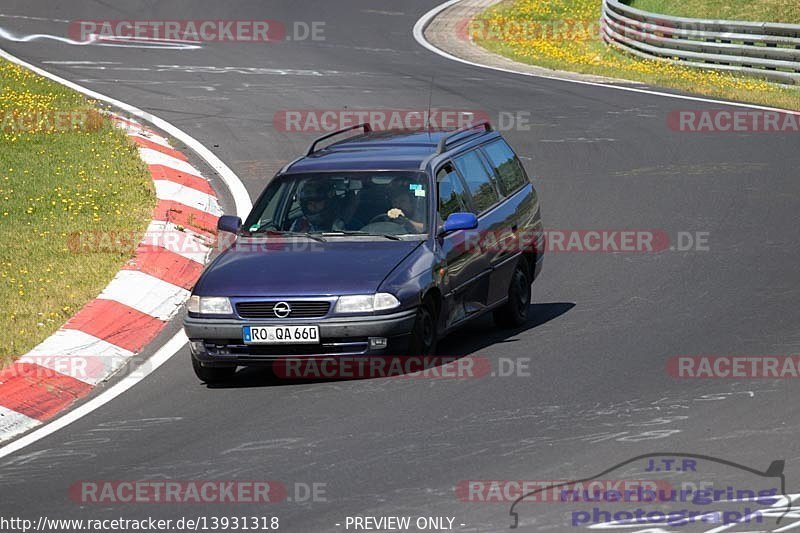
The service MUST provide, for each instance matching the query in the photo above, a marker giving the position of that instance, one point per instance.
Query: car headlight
(210, 305)
(366, 303)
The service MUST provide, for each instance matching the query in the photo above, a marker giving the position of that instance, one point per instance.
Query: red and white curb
(135, 306)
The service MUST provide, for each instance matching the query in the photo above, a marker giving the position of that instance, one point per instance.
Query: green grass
(564, 35)
(757, 10)
(54, 183)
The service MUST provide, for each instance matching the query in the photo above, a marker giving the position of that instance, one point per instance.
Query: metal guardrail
(765, 49)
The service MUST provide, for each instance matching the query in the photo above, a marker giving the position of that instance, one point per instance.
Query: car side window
(510, 174)
(452, 197)
(271, 213)
(479, 182)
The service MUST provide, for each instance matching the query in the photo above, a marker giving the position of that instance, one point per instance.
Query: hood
(300, 267)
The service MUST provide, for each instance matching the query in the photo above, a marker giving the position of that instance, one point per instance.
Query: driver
(318, 201)
(405, 205)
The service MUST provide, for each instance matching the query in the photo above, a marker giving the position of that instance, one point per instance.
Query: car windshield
(346, 204)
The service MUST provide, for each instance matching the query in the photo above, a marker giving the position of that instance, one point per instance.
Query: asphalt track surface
(601, 330)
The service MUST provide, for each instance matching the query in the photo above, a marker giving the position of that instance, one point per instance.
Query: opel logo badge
(282, 309)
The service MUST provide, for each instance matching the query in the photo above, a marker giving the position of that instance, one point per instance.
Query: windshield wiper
(277, 233)
(363, 234)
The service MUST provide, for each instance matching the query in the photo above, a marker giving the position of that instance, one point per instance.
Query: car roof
(385, 150)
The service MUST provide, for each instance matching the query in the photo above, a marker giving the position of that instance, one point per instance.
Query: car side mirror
(229, 223)
(459, 221)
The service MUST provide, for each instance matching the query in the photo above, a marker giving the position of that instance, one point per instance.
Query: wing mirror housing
(458, 222)
(229, 223)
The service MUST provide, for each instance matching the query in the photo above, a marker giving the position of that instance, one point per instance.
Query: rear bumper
(219, 341)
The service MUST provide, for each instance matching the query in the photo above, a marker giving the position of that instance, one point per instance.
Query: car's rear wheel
(424, 336)
(212, 374)
(514, 312)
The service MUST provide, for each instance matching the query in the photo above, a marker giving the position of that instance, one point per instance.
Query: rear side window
(510, 174)
(479, 181)
(452, 198)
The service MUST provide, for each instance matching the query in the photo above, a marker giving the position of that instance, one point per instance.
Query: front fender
(413, 277)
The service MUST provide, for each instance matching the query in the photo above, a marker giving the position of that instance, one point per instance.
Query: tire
(514, 312)
(212, 374)
(424, 336)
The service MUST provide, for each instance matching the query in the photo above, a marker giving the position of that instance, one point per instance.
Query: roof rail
(458, 133)
(313, 147)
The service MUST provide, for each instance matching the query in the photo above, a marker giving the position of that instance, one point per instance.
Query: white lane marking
(146, 293)
(13, 423)
(79, 355)
(7, 35)
(180, 241)
(97, 40)
(211, 69)
(387, 13)
(25, 17)
(81, 63)
(419, 36)
(237, 189)
(154, 157)
(170, 348)
(145, 42)
(128, 69)
(243, 206)
(169, 190)
(184, 84)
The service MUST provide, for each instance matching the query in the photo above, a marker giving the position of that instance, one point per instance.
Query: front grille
(311, 309)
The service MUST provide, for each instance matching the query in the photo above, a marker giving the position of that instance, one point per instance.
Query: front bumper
(216, 341)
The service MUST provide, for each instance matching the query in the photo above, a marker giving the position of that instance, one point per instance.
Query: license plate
(281, 334)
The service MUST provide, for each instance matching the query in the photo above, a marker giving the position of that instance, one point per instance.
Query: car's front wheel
(514, 312)
(212, 374)
(424, 336)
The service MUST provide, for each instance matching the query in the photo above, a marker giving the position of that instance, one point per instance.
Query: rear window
(510, 174)
(478, 180)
